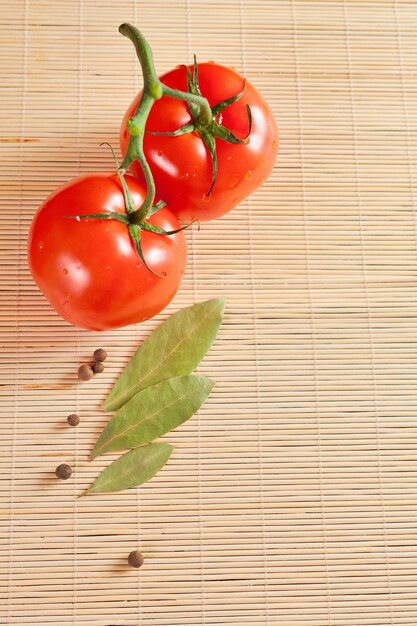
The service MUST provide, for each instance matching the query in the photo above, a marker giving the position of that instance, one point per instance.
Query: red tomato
(89, 269)
(182, 166)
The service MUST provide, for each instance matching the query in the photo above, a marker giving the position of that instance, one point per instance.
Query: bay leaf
(132, 469)
(175, 348)
(153, 412)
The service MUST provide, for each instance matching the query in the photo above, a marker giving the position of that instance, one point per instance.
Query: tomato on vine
(90, 268)
(204, 166)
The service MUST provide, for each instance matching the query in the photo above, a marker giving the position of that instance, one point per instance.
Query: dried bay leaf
(153, 412)
(174, 349)
(133, 468)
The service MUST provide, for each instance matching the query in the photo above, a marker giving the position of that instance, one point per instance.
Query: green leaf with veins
(153, 412)
(175, 348)
(132, 469)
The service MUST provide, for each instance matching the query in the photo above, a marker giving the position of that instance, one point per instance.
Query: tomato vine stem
(153, 90)
(203, 122)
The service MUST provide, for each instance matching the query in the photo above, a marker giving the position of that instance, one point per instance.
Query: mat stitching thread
(406, 118)
(312, 325)
(256, 340)
(197, 417)
(18, 288)
(368, 306)
(136, 66)
(77, 388)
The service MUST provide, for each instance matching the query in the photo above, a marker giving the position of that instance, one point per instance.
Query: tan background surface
(291, 499)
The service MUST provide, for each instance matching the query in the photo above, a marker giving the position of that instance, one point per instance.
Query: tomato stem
(205, 116)
(152, 91)
(151, 82)
(135, 152)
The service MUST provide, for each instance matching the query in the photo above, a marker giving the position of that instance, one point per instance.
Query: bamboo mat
(291, 499)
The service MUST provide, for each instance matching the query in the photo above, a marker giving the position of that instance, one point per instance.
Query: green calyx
(130, 218)
(206, 125)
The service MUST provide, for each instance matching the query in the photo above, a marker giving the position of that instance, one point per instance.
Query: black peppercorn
(100, 354)
(73, 419)
(85, 372)
(98, 367)
(63, 471)
(135, 559)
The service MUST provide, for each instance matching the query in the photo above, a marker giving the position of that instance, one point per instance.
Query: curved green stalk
(153, 90)
(151, 82)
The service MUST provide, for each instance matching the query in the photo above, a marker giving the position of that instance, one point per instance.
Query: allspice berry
(85, 372)
(63, 471)
(98, 367)
(73, 419)
(135, 559)
(100, 355)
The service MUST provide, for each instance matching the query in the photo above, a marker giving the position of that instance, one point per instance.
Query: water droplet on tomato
(229, 158)
(274, 144)
(41, 246)
(107, 267)
(159, 153)
(248, 175)
(205, 197)
(185, 176)
(235, 181)
(65, 271)
(77, 218)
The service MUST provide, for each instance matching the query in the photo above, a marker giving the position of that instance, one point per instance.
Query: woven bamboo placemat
(291, 499)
